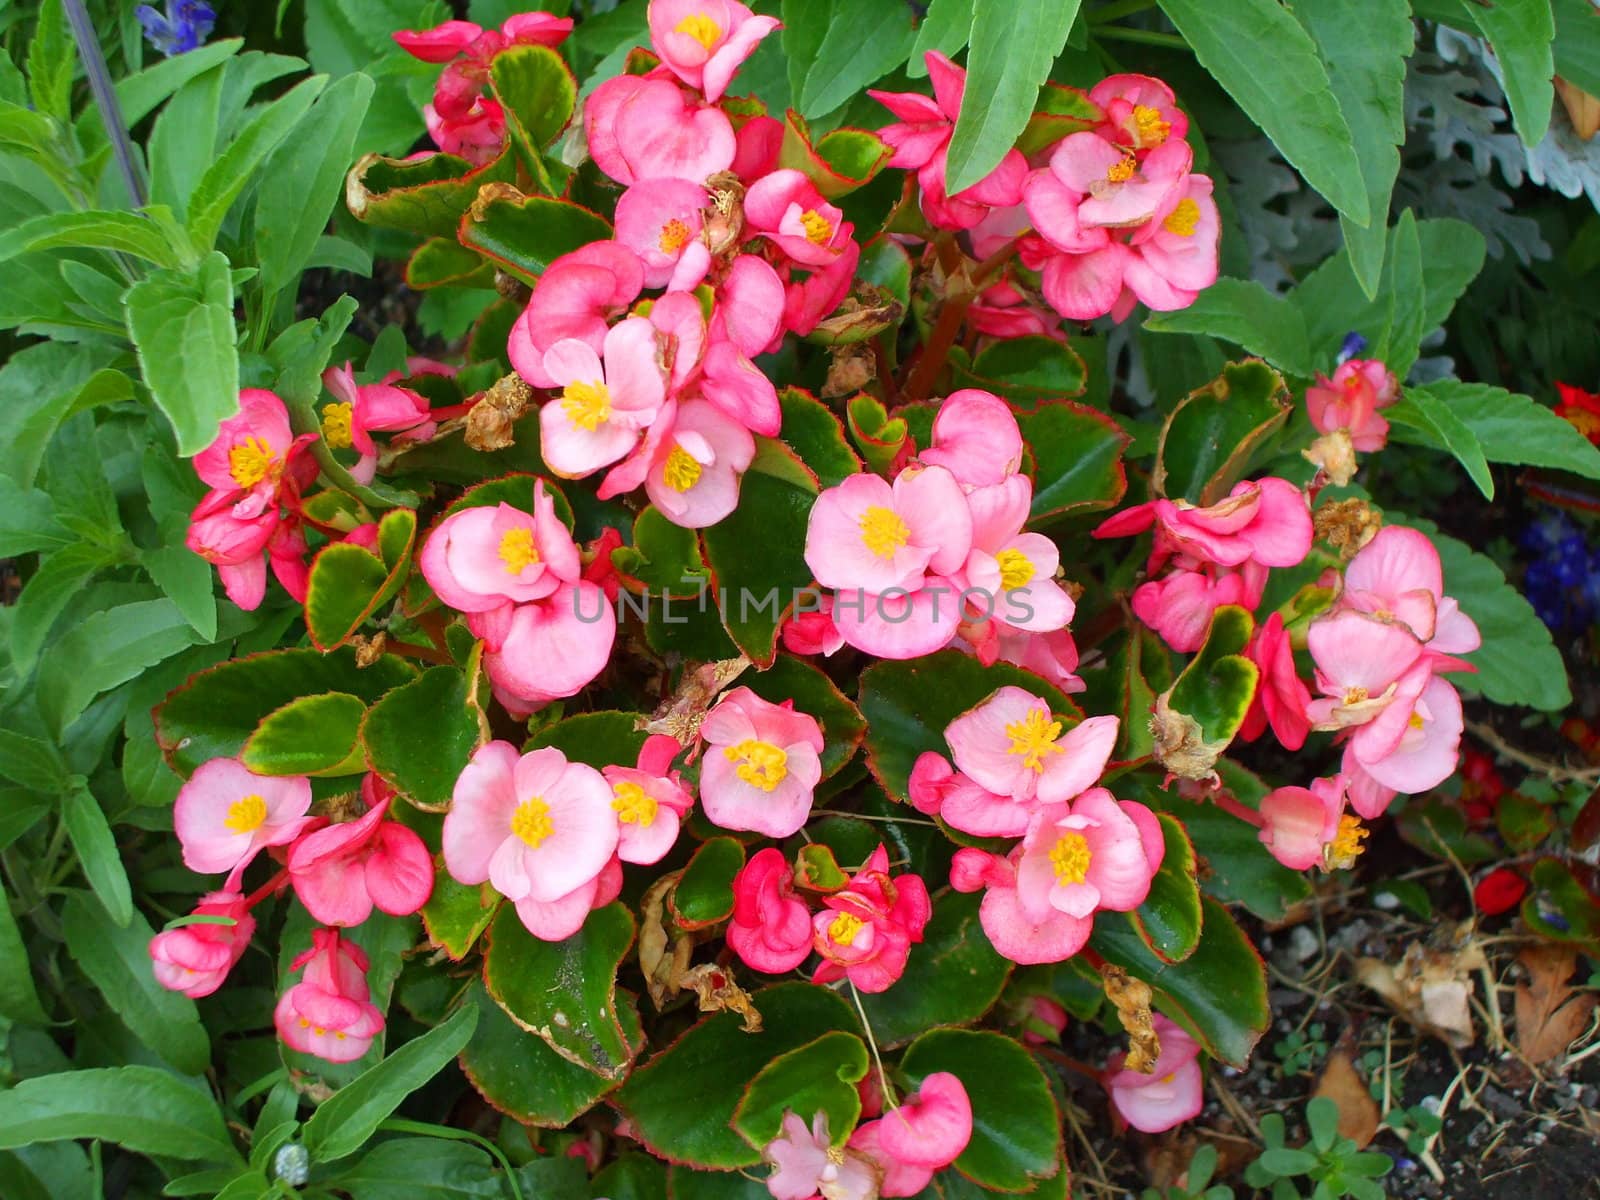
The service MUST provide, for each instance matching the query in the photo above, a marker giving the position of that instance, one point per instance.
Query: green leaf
(28, 523)
(1439, 427)
(141, 94)
(945, 28)
(565, 991)
(813, 693)
(1012, 45)
(1515, 429)
(121, 232)
(1285, 1161)
(1207, 441)
(632, 1177)
(813, 432)
(420, 737)
(1517, 663)
(1016, 1128)
(227, 177)
(755, 553)
(538, 93)
(1077, 459)
(304, 179)
(1025, 368)
(352, 1114)
(908, 705)
(1169, 919)
(953, 976)
(96, 849)
(107, 649)
(182, 327)
(525, 234)
(1217, 685)
(186, 579)
(1243, 312)
(1365, 44)
(1403, 288)
(52, 63)
(19, 999)
(876, 434)
(32, 762)
(839, 162)
(1560, 907)
(862, 41)
(1577, 44)
(1219, 992)
(144, 1109)
(714, 1062)
(704, 894)
(1269, 65)
(456, 914)
(311, 735)
(1521, 33)
(426, 196)
(434, 1168)
(216, 711)
(597, 739)
(445, 262)
(820, 1076)
(349, 583)
(116, 958)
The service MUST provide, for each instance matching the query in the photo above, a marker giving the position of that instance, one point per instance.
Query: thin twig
(105, 98)
(1554, 772)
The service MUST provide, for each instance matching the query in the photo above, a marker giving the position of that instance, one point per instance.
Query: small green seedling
(1331, 1162)
(1201, 1167)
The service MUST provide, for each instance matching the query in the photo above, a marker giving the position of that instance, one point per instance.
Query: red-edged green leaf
(1077, 459)
(820, 1076)
(420, 737)
(349, 584)
(704, 894)
(1207, 442)
(311, 735)
(1169, 919)
(426, 196)
(525, 234)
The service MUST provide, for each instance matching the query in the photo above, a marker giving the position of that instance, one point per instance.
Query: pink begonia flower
(557, 920)
(478, 134)
(342, 872)
(650, 801)
(224, 814)
(1092, 185)
(646, 127)
(549, 649)
(1351, 400)
(1140, 113)
(867, 534)
(195, 959)
(806, 302)
(660, 221)
(364, 535)
(1267, 521)
(233, 545)
(865, 931)
(691, 462)
(441, 43)
(1097, 853)
(1174, 259)
(811, 630)
(749, 311)
(703, 42)
(603, 409)
(761, 765)
(771, 926)
(976, 438)
(1011, 931)
(921, 142)
(1043, 1021)
(1004, 310)
(444, 42)
(1281, 697)
(481, 559)
(1397, 575)
(760, 142)
(681, 333)
(255, 454)
(1360, 661)
(329, 1013)
(534, 825)
(1179, 605)
(786, 208)
(1299, 824)
(806, 1165)
(1012, 746)
(576, 297)
(1051, 656)
(1415, 744)
(1172, 1093)
(740, 389)
(1013, 572)
(926, 1133)
(359, 410)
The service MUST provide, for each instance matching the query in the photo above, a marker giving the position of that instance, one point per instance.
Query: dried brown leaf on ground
(1551, 1015)
(1431, 988)
(1341, 1083)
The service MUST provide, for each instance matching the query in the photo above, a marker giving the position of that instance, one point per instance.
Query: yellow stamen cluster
(701, 28)
(1070, 857)
(819, 230)
(1033, 737)
(1149, 126)
(1346, 846)
(1016, 570)
(1121, 172)
(1355, 695)
(587, 405)
(673, 235)
(518, 551)
(882, 531)
(761, 764)
(1184, 218)
(844, 927)
(531, 822)
(246, 814)
(634, 805)
(336, 420)
(251, 461)
(680, 472)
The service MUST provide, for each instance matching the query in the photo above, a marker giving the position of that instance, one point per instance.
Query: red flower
(1501, 890)
(1582, 409)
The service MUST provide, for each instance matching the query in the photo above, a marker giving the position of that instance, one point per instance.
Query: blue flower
(1353, 345)
(187, 24)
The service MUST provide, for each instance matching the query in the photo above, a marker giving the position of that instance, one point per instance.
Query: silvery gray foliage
(1257, 177)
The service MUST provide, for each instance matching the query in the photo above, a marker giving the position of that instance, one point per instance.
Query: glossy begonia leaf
(456, 914)
(1058, 111)
(600, 739)
(349, 584)
(1077, 459)
(213, 714)
(419, 737)
(565, 991)
(1016, 1126)
(312, 735)
(632, 1176)
(1216, 688)
(1169, 919)
(425, 196)
(876, 434)
(1219, 992)
(1207, 441)
(813, 693)
(682, 1101)
(908, 704)
(521, 1076)
(525, 234)
(816, 869)
(704, 894)
(664, 558)
(839, 163)
(820, 1076)
(952, 977)
(1560, 907)
(685, 1183)
(756, 555)
(445, 262)
(538, 93)
(1024, 369)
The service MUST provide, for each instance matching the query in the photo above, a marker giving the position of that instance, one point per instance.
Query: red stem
(266, 889)
(1229, 805)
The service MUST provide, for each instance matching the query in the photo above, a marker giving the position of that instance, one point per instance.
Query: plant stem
(1149, 37)
(1118, 10)
(105, 99)
(872, 1044)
